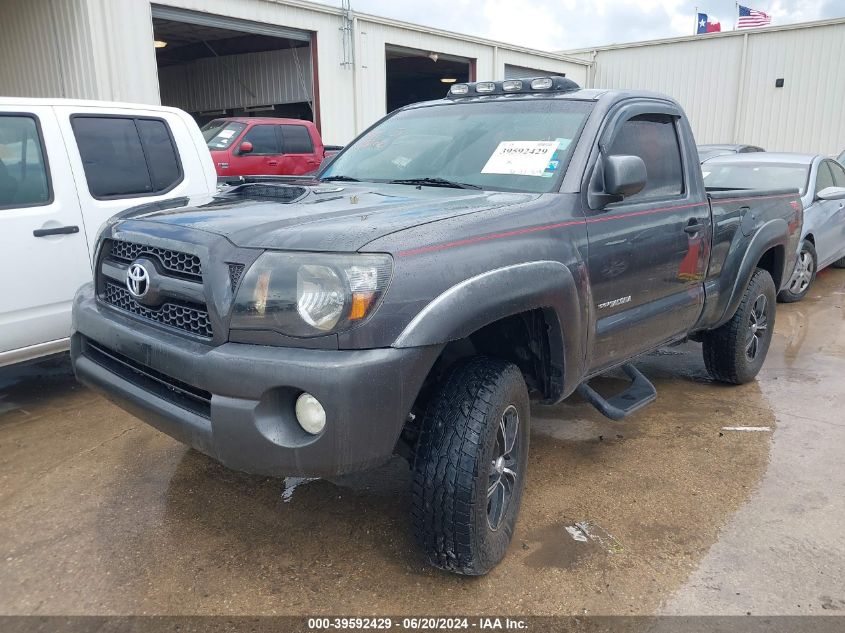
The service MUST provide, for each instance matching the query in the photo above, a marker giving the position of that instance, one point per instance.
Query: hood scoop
(286, 194)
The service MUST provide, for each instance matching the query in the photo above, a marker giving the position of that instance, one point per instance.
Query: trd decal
(614, 303)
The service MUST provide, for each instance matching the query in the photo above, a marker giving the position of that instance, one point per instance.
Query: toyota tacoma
(459, 260)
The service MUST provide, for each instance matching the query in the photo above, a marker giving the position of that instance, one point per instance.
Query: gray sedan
(706, 152)
(820, 180)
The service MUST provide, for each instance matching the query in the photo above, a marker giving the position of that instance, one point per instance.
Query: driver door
(648, 253)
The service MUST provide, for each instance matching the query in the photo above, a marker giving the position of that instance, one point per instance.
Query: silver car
(708, 152)
(821, 181)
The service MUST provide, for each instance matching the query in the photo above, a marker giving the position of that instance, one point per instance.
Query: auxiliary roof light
(459, 89)
(512, 85)
(541, 83)
(485, 86)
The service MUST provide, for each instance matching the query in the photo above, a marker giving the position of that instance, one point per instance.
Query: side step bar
(639, 394)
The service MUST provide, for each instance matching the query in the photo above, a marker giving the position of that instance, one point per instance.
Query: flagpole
(695, 28)
(736, 14)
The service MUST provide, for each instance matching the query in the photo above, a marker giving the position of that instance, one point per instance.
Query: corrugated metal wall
(81, 49)
(238, 80)
(43, 49)
(808, 113)
(729, 101)
(520, 72)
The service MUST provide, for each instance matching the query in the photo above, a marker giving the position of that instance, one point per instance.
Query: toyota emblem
(137, 280)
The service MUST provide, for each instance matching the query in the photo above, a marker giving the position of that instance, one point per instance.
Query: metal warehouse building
(343, 70)
(782, 88)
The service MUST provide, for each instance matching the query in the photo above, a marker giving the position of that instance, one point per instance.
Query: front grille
(182, 317)
(165, 387)
(177, 262)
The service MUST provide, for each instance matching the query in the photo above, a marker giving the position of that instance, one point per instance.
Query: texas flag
(706, 26)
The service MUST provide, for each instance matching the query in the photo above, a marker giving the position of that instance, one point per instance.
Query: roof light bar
(513, 86)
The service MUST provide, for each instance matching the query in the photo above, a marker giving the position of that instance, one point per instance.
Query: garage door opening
(214, 66)
(414, 75)
(521, 72)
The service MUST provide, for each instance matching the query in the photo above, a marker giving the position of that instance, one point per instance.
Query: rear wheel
(469, 466)
(734, 352)
(803, 275)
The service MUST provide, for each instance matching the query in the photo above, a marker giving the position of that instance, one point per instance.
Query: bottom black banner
(268, 624)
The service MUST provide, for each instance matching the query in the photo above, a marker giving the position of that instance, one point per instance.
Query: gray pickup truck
(458, 260)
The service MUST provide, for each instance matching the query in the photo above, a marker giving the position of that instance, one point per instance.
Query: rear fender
(772, 234)
(479, 301)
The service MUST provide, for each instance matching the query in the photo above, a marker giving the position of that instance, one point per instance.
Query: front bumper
(235, 402)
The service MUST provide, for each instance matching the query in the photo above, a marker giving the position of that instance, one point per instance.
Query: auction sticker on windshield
(521, 158)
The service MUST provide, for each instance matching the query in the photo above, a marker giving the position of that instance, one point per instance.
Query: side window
(838, 174)
(654, 138)
(824, 178)
(24, 179)
(126, 156)
(162, 158)
(263, 139)
(296, 139)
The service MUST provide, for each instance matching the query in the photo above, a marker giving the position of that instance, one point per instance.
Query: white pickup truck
(65, 168)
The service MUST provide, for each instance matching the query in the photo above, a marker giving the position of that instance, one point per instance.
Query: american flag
(749, 18)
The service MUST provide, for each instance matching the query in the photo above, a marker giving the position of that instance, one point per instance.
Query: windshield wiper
(340, 178)
(433, 182)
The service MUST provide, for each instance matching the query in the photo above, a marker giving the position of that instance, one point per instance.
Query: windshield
(220, 133)
(519, 145)
(756, 176)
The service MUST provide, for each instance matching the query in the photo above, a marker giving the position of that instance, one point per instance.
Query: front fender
(478, 301)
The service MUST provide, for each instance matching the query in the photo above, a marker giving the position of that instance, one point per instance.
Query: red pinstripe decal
(535, 229)
(548, 227)
(782, 195)
(484, 238)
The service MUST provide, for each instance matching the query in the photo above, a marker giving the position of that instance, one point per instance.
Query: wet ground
(667, 512)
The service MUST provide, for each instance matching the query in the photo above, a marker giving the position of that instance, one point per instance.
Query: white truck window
(126, 156)
(24, 181)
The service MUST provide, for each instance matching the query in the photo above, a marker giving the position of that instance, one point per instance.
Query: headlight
(310, 294)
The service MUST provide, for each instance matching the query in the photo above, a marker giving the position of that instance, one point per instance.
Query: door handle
(60, 230)
(272, 163)
(693, 228)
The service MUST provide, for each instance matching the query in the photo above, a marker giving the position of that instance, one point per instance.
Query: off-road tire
(786, 295)
(839, 263)
(725, 348)
(453, 465)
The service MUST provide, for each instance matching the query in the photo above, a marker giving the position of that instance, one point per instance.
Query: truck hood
(318, 216)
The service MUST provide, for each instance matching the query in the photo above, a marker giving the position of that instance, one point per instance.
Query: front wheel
(469, 466)
(803, 275)
(734, 352)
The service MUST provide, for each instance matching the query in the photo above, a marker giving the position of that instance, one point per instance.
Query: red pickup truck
(257, 146)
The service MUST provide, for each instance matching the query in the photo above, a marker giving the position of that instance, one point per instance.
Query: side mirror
(245, 147)
(624, 175)
(831, 193)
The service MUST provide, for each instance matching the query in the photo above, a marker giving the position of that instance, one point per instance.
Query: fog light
(310, 413)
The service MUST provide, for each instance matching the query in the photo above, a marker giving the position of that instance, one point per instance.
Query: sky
(555, 25)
